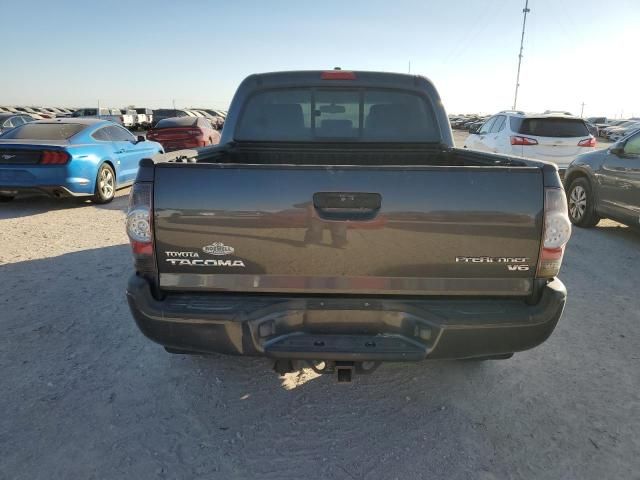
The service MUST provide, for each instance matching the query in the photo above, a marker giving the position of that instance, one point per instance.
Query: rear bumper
(57, 191)
(179, 145)
(345, 328)
(54, 180)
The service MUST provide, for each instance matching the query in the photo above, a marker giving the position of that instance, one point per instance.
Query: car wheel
(582, 211)
(105, 184)
(6, 198)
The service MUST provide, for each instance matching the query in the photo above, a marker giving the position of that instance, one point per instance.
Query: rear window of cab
(337, 114)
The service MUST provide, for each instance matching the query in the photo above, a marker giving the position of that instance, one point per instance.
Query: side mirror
(474, 128)
(617, 149)
(141, 138)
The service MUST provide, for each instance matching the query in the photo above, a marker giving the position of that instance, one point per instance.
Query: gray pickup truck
(337, 224)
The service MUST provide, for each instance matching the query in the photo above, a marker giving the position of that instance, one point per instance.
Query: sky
(196, 52)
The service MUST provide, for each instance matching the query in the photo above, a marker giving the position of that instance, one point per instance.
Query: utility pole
(524, 22)
(174, 106)
(582, 109)
(409, 66)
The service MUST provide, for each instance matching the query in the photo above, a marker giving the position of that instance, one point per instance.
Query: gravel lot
(85, 395)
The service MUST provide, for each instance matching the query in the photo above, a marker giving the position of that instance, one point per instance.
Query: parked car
(475, 126)
(593, 130)
(11, 120)
(622, 131)
(52, 113)
(606, 131)
(163, 113)
(70, 157)
(215, 120)
(338, 235)
(38, 116)
(129, 118)
(554, 138)
(216, 116)
(606, 184)
(184, 132)
(111, 114)
(607, 124)
(596, 120)
(145, 117)
(27, 110)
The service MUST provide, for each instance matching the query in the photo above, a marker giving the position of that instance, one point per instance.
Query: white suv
(554, 138)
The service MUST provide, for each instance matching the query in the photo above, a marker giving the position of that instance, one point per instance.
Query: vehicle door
(103, 136)
(129, 152)
(123, 144)
(619, 179)
(478, 141)
(492, 138)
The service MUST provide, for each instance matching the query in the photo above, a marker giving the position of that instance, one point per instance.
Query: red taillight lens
(54, 157)
(557, 231)
(587, 142)
(139, 220)
(516, 140)
(337, 75)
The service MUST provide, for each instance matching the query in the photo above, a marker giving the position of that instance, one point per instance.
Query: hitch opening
(345, 371)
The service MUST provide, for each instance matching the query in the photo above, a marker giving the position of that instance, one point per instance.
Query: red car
(184, 132)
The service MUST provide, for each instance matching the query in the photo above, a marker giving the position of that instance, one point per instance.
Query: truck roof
(315, 77)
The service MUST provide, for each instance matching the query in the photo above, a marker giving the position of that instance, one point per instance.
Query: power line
(524, 22)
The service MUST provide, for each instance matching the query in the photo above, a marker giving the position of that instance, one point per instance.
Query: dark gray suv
(606, 184)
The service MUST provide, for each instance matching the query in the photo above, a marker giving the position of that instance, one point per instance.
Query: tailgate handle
(342, 206)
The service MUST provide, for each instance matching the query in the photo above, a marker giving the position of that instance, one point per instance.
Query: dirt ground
(86, 396)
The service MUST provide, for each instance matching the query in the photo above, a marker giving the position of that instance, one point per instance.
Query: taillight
(337, 75)
(557, 231)
(139, 221)
(516, 140)
(587, 142)
(54, 157)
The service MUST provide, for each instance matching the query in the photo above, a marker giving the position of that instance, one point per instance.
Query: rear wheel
(105, 184)
(582, 207)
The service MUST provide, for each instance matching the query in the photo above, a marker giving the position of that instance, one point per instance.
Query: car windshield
(305, 114)
(553, 127)
(44, 131)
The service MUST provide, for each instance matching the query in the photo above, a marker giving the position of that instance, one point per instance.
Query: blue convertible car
(74, 157)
